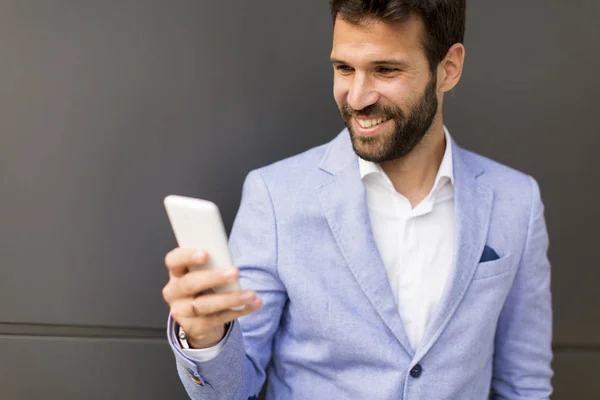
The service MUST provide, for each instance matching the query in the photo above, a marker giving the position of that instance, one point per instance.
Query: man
(389, 263)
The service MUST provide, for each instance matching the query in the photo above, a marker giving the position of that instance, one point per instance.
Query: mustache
(373, 109)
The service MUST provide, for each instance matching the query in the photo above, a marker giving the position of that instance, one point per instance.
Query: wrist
(187, 342)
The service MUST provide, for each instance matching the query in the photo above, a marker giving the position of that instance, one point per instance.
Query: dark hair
(444, 20)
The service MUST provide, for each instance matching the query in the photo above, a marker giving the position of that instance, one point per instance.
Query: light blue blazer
(330, 328)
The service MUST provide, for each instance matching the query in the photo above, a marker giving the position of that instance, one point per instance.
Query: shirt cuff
(203, 355)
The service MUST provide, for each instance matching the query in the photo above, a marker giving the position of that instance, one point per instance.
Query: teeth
(367, 123)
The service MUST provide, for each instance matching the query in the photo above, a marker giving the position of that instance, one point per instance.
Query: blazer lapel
(472, 210)
(343, 201)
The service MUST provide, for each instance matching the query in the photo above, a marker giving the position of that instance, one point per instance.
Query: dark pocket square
(488, 255)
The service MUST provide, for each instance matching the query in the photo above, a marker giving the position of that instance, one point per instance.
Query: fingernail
(229, 272)
(247, 295)
(200, 255)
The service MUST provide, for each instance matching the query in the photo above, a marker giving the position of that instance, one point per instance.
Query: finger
(179, 260)
(195, 282)
(216, 303)
(182, 309)
(200, 325)
(229, 315)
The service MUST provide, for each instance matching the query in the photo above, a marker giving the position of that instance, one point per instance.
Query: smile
(368, 123)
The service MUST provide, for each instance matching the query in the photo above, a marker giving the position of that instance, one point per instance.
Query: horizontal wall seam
(576, 347)
(110, 332)
(116, 332)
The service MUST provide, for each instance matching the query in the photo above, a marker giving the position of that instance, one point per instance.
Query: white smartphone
(197, 224)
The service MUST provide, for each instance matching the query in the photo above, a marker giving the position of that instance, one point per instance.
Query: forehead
(375, 39)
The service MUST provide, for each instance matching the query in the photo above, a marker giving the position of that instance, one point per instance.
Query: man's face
(383, 86)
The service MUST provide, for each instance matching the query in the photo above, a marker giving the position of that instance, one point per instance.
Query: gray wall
(108, 106)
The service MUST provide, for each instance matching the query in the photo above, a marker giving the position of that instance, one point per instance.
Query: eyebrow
(398, 63)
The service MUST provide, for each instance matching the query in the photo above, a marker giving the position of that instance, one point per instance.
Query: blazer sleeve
(523, 343)
(238, 371)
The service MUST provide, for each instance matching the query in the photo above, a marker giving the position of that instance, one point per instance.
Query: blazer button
(416, 371)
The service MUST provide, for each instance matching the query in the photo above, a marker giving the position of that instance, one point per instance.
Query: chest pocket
(490, 269)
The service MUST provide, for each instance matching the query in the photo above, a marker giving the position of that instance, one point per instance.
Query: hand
(200, 313)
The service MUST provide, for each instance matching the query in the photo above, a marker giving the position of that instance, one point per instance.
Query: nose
(361, 93)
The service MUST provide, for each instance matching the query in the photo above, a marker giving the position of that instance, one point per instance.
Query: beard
(409, 128)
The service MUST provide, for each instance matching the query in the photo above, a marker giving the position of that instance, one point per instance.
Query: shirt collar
(445, 170)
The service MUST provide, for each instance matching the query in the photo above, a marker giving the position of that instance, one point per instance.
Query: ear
(451, 67)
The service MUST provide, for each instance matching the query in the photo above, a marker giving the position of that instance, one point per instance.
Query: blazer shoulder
(498, 176)
(515, 191)
(295, 169)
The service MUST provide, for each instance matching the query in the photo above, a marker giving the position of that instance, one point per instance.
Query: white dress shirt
(416, 245)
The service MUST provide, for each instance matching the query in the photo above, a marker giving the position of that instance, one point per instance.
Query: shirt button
(416, 371)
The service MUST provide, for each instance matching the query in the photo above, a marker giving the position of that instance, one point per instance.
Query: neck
(413, 175)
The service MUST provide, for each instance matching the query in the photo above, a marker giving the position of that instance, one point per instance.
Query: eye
(386, 70)
(344, 69)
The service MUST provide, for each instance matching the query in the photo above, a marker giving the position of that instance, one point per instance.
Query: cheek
(398, 93)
